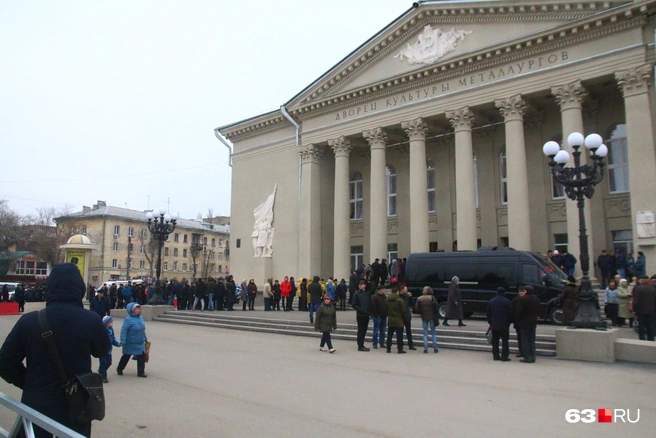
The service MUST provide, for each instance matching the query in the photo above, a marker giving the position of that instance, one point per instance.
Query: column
(519, 224)
(416, 130)
(466, 228)
(309, 254)
(570, 98)
(378, 193)
(342, 241)
(634, 84)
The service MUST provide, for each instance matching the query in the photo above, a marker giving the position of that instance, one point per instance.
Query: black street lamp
(160, 227)
(579, 182)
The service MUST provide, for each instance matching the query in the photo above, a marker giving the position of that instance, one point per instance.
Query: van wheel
(441, 310)
(556, 316)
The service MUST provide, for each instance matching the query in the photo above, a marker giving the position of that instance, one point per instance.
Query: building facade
(123, 248)
(429, 137)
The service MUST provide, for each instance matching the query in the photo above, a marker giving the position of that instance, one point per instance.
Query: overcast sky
(117, 101)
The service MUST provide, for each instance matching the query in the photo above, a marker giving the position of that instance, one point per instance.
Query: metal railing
(27, 417)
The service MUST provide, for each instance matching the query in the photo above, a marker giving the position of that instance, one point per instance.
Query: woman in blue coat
(133, 340)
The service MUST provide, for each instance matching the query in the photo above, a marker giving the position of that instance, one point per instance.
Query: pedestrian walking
(106, 360)
(133, 340)
(326, 323)
(454, 303)
(499, 318)
(361, 304)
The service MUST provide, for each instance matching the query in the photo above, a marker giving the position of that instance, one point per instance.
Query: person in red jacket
(285, 290)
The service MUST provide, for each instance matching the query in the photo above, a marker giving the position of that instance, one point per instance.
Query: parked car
(482, 272)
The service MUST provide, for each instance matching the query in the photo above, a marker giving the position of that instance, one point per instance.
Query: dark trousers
(519, 341)
(243, 307)
(528, 344)
(290, 301)
(284, 303)
(325, 340)
(408, 331)
(363, 325)
(220, 299)
(276, 303)
(141, 363)
(504, 335)
(646, 327)
(399, 338)
(230, 306)
(267, 303)
(105, 363)
(251, 302)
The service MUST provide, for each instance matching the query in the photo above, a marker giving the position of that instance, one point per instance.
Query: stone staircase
(447, 338)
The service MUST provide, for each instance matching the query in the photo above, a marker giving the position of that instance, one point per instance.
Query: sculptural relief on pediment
(432, 45)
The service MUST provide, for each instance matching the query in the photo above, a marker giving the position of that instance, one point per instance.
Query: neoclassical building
(429, 137)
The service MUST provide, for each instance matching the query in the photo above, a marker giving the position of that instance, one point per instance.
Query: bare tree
(195, 250)
(150, 250)
(44, 235)
(11, 231)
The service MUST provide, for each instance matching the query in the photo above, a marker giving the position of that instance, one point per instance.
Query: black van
(482, 272)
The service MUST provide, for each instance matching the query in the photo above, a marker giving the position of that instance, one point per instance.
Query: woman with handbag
(426, 306)
(133, 340)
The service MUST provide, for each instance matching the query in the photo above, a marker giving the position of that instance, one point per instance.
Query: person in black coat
(100, 304)
(499, 317)
(528, 309)
(78, 333)
(362, 304)
(19, 297)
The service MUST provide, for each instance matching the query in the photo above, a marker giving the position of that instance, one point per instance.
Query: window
(220, 242)
(220, 269)
(476, 181)
(117, 230)
(115, 246)
(114, 263)
(143, 233)
(430, 183)
(142, 264)
(220, 256)
(165, 266)
(432, 246)
(166, 250)
(392, 252)
(130, 247)
(176, 237)
(205, 241)
(84, 229)
(184, 253)
(560, 242)
(213, 242)
(41, 268)
(623, 239)
(175, 252)
(143, 249)
(25, 268)
(184, 238)
(390, 174)
(557, 189)
(355, 195)
(357, 256)
(618, 160)
(184, 267)
(503, 178)
(131, 232)
(175, 266)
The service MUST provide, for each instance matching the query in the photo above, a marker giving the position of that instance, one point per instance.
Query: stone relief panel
(393, 225)
(617, 206)
(557, 211)
(432, 221)
(502, 216)
(357, 228)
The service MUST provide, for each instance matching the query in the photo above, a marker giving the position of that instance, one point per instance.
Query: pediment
(435, 34)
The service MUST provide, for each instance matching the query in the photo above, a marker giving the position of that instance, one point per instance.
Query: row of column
(569, 97)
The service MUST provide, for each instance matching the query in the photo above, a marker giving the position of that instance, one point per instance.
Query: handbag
(84, 392)
(147, 353)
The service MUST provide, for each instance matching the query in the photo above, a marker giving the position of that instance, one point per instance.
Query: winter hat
(107, 320)
(455, 279)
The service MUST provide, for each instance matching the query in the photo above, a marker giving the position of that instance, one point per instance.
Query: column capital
(511, 108)
(310, 153)
(377, 138)
(461, 119)
(341, 146)
(415, 129)
(634, 81)
(569, 95)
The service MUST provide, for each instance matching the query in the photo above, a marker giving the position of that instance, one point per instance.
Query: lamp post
(579, 182)
(160, 227)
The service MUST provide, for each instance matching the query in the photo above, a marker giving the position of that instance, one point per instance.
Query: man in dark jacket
(361, 304)
(314, 289)
(605, 265)
(100, 304)
(78, 334)
(499, 317)
(644, 306)
(528, 309)
(378, 312)
(353, 286)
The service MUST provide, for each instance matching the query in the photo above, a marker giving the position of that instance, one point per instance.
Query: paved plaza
(206, 382)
